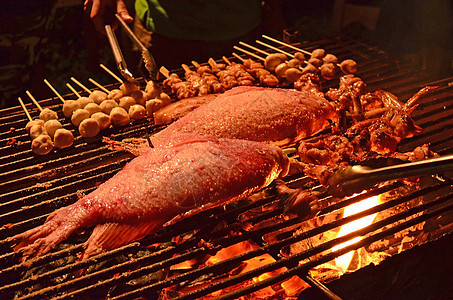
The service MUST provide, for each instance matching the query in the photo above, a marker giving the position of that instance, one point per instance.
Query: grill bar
(32, 187)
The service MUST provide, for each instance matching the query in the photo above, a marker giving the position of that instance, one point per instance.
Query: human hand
(102, 12)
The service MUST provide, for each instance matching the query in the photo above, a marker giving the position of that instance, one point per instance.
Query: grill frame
(33, 190)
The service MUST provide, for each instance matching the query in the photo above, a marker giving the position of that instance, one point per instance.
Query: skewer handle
(249, 53)
(111, 73)
(254, 48)
(98, 85)
(285, 44)
(34, 100)
(25, 109)
(238, 57)
(164, 71)
(81, 85)
(54, 90)
(73, 90)
(275, 48)
(225, 59)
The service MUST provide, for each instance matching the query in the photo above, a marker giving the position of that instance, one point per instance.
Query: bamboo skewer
(254, 48)
(34, 100)
(164, 71)
(249, 53)
(98, 85)
(81, 85)
(54, 90)
(25, 109)
(225, 59)
(275, 48)
(285, 44)
(73, 90)
(111, 73)
(238, 57)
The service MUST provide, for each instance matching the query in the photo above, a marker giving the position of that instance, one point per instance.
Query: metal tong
(148, 59)
(354, 179)
(118, 55)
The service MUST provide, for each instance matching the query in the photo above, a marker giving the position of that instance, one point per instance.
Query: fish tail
(58, 226)
(113, 235)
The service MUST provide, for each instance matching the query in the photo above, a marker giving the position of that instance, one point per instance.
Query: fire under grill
(249, 248)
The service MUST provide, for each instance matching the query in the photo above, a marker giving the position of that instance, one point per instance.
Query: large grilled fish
(259, 114)
(158, 186)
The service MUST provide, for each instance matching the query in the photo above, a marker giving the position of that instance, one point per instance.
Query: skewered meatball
(348, 66)
(98, 96)
(34, 122)
(165, 98)
(328, 71)
(42, 144)
(315, 62)
(63, 138)
(294, 63)
(69, 107)
(273, 60)
(153, 90)
(79, 115)
(280, 70)
(318, 53)
(119, 116)
(309, 68)
(83, 101)
(140, 97)
(299, 56)
(115, 94)
(37, 130)
(89, 128)
(127, 88)
(330, 58)
(103, 120)
(152, 106)
(47, 114)
(107, 106)
(93, 108)
(51, 126)
(292, 74)
(137, 111)
(126, 102)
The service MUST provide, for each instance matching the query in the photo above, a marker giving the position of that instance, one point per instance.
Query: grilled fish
(156, 187)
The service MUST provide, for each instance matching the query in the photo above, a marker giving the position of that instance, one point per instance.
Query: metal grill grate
(32, 187)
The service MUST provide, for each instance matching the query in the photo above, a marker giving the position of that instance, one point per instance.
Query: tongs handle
(355, 179)
(117, 54)
(148, 59)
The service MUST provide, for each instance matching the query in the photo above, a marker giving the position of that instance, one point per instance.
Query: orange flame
(342, 262)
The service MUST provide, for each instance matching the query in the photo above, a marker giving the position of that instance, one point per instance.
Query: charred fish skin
(273, 115)
(156, 187)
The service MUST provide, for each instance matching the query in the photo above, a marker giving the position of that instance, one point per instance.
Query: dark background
(416, 32)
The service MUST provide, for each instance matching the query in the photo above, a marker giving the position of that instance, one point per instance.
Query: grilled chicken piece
(253, 113)
(158, 186)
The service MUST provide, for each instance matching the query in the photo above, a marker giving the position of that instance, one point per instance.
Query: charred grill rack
(34, 186)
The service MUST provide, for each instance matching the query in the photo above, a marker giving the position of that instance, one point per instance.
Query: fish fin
(113, 235)
(58, 226)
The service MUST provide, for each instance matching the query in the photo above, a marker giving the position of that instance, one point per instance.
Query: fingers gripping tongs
(118, 55)
(147, 58)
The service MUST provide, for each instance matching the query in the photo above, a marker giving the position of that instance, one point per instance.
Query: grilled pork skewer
(170, 182)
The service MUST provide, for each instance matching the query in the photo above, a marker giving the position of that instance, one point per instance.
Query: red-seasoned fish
(260, 114)
(158, 186)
